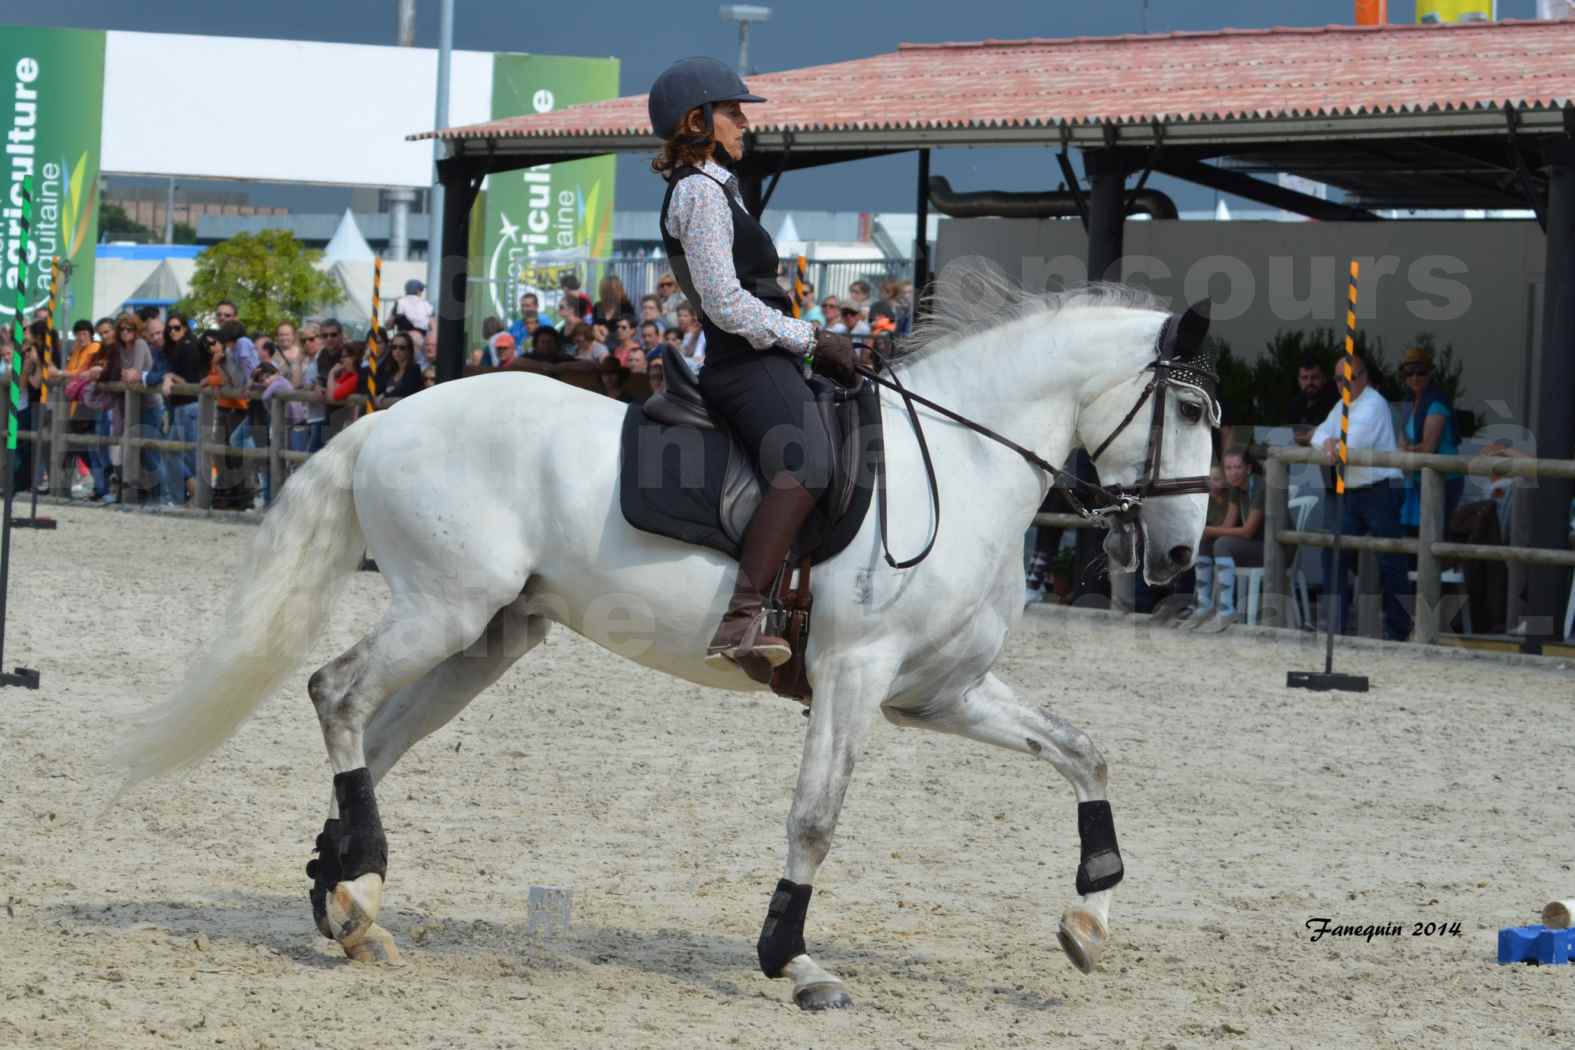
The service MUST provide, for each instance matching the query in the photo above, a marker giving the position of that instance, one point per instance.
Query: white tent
(114, 281)
(347, 244)
(355, 281)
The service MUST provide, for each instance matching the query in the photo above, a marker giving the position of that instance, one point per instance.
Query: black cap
(692, 82)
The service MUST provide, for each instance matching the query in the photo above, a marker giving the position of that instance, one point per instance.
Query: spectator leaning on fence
(612, 302)
(234, 360)
(403, 377)
(187, 362)
(1428, 426)
(694, 336)
(503, 350)
(651, 340)
(569, 284)
(651, 310)
(667, 288)
(1372, 498)
(129, 359)
(529, 319)
(627, 352)
(586, 348)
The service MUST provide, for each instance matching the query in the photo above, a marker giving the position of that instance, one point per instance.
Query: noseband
(1111, 506)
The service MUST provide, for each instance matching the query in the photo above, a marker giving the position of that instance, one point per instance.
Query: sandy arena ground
(180, 918)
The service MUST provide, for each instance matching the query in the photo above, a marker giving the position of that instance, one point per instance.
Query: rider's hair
(688, 147)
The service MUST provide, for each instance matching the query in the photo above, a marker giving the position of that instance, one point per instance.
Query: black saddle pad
(700, 486)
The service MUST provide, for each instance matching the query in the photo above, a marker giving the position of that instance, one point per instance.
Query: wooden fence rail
(1429, 547)
(56, 442)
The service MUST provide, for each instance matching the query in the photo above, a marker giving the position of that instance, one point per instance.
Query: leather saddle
(685, 476)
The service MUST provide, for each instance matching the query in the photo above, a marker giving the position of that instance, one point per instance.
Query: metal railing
(1429, 547)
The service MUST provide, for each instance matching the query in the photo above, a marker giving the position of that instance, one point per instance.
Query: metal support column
(1549, 588)
(1107, 172)
(921, 240)
(460, 186)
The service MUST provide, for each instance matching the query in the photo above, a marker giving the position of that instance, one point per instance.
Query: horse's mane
(973, 295)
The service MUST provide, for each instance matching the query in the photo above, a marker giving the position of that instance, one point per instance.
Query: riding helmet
(693, 82)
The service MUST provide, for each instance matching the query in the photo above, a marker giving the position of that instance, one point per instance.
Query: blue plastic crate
(1537, 944)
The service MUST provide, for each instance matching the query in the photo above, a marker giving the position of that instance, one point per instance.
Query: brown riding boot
(741, 637)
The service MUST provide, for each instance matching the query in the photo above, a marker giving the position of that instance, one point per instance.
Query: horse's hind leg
(420, 709)
(988, 711)
(421, 630)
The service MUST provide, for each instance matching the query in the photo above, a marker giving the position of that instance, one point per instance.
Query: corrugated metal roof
(1225, 75)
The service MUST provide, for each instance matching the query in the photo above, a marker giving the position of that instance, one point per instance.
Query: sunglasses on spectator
(175, 326)
(1414, 370)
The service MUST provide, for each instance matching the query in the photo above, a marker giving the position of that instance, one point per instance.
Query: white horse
(491, 507)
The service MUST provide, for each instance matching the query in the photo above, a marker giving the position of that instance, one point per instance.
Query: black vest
(754, 260)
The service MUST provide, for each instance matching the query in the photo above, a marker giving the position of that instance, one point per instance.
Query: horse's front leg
(846, 698)
(988, 711)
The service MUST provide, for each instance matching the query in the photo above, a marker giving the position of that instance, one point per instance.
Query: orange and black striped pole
(1347, 366)
(374, 336)
(800, 286)
(1348, 363)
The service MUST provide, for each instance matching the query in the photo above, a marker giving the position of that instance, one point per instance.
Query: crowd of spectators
(622, 337)
(162, 350)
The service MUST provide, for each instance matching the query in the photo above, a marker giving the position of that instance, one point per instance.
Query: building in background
(82, 102)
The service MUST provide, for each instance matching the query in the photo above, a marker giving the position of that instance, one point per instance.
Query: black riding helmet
(692, 82)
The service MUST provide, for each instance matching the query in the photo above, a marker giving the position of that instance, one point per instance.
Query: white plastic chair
(1302, 508)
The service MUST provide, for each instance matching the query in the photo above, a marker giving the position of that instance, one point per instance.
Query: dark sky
(646, 35)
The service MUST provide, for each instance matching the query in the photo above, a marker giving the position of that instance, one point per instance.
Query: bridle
(1192, 373)
(1109, 506)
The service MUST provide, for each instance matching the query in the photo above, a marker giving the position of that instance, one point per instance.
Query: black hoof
(825, 996)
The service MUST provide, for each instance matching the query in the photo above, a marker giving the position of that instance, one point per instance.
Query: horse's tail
(309, 543)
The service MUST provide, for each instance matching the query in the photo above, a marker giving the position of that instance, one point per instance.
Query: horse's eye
(1191, 411)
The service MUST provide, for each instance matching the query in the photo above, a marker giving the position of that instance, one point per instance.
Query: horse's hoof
(373, 944)
(354, 905)
(826, 995)
(1082, 937)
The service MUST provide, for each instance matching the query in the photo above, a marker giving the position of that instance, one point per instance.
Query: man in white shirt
(1372, 494)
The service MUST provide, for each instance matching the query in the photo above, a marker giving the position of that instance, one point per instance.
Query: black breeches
(766, 401)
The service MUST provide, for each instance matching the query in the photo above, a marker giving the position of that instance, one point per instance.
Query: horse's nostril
(1180, 554)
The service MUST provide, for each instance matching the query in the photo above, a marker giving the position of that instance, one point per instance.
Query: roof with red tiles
(1230, 75)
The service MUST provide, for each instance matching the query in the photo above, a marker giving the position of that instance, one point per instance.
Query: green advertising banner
(539, 220)
(54, 105)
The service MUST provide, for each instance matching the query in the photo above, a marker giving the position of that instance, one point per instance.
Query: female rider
(726, 265)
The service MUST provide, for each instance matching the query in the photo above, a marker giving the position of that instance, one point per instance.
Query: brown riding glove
(834, 357)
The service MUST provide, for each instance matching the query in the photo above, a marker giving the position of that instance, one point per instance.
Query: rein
(1107, 505)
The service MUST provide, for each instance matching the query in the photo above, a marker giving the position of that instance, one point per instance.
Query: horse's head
(1149, 435)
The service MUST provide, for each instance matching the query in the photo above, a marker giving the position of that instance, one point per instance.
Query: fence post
(130, 458)
(1276, 512)
(1519, 497)
(1428, 590)
(59, 410)
(207, 420)
(276, 446)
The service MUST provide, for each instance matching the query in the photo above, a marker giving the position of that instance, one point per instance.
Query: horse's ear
(1191, 329)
